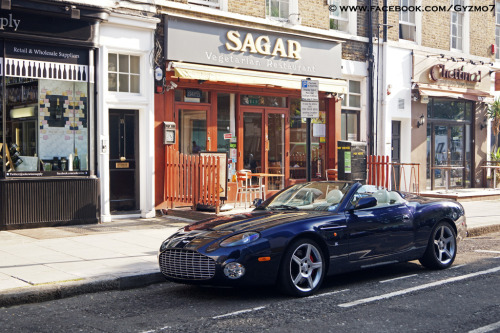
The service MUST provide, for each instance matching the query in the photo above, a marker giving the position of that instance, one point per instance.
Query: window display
(45, 126)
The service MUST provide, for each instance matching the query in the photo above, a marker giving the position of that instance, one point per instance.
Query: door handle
(406, 217)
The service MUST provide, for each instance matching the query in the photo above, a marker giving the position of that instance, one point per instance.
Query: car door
(379, 231)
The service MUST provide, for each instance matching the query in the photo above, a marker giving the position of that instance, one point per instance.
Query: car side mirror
(366, 202)
(257, 202)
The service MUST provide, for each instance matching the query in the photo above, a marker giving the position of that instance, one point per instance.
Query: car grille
(184, 264)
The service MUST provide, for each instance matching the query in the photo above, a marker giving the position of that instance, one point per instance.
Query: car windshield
(317, 196)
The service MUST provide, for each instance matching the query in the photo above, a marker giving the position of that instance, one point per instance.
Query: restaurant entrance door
(264, 150)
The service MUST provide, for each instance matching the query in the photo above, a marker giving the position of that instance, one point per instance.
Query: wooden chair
(244, 186)
(332, 174)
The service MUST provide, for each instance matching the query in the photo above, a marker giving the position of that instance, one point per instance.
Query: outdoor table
(261, 176)
(446, 168)
(494, 167)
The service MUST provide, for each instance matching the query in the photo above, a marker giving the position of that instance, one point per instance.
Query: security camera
(173, 85)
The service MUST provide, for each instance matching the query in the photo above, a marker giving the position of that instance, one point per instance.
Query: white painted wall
(133, 36)
(394, 98)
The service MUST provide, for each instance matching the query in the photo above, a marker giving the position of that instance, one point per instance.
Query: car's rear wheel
(302, 268)
(442, 247)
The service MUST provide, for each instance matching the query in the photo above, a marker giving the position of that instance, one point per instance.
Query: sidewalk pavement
(43, 264)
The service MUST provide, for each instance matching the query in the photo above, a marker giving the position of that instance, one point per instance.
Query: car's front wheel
(302, 268)
(442, 247)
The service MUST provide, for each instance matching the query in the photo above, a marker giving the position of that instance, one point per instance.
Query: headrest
(334, 196)
(382, 196)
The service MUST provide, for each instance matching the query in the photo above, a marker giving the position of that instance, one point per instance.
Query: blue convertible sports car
(310, 230)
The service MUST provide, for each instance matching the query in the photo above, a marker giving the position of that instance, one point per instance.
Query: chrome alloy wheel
(306, 267)
(444, 244)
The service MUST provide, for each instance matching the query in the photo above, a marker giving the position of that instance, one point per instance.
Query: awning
(469, 94)
(243, 76)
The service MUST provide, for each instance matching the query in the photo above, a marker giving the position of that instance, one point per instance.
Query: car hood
(204, 232)
(254, 221)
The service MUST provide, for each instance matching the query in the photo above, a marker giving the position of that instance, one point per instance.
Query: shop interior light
(24, 112)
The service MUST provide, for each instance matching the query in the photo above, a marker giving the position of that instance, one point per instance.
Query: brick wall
(314, 14)
(482, 31)
(353, 50)
(436, 27)
(256, 8)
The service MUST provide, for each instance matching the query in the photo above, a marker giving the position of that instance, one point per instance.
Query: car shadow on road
(335, 282)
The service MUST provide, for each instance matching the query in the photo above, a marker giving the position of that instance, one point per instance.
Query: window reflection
(298, 137)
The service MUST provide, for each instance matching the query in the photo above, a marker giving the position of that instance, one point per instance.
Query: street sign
(309, 109)
(309, 90)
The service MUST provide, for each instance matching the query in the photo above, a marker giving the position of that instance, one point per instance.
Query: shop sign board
(449, 74)
(38, 24)
(227, 45)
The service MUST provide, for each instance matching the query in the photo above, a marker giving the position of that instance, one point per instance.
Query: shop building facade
(77, 127)
(48, 173)
(433, 93)
(235, 88)
(125, 140)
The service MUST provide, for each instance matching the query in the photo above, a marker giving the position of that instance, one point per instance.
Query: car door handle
(406, 217)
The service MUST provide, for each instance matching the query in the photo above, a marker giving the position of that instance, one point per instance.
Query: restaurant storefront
(236, 90)
(450, 117)
(47, 161)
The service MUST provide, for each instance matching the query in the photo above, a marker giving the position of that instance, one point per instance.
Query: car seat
(382, 197)
(334, 196)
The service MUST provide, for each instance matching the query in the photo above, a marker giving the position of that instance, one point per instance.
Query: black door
(396, 153)
(123, 169)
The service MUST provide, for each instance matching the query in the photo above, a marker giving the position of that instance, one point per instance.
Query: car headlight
(240, 239)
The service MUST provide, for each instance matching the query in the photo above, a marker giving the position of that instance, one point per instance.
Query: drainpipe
(370, 81)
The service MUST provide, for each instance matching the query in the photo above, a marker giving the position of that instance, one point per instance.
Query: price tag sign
(309, 109)
(309, 90)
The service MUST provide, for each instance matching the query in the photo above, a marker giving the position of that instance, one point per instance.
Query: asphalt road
(396, 298)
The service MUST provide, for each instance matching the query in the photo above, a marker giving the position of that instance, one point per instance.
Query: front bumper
(196, 267)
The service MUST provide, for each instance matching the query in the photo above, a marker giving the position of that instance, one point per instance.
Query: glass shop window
(298, 136)
(223, 121)
(45, 120)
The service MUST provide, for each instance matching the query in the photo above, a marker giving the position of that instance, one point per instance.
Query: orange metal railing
(397, 176)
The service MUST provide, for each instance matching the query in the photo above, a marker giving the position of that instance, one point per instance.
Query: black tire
(442, 247)
(302, 268)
